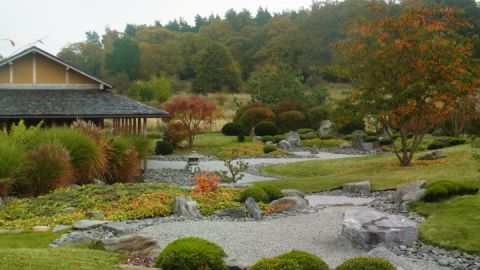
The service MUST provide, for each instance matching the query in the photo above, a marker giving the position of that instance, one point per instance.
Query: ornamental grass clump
(122, 162)
(46, 168)
(192, 253)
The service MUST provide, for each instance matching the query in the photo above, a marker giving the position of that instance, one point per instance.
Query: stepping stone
(323, 200)
(357, 187)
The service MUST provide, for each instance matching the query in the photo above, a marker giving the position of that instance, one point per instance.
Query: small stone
(88, 224)
(256, 138)
(186, 207)
(235, 212)
(41, 229)
(292, 193)
(357, 187)
(61, 227)
(67, 210)
(122, 227)
(253, 209)
(95, 214)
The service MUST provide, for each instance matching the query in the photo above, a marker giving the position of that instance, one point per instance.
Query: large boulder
(358, 139)
(253, 209)
(409, 192)
(235, 212)
(88, 224)
(186, 207)
(293, 138)
(292, 193)
(283, 144)
(133, 245)
(357, 187)
(288, 204)
(61, 227)
(368, 228)
(326, 127)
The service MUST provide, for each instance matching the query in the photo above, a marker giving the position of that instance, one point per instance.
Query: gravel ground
(250, 241)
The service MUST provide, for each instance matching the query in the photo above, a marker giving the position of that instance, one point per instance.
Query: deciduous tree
(409, 68)
(192, 114)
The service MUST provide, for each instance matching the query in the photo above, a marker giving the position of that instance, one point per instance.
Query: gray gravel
(252, 240)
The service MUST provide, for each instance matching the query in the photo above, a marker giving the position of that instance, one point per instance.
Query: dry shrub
(90, 129)
(5, 185)
(207, 182)
(122, 162)
(47, 167)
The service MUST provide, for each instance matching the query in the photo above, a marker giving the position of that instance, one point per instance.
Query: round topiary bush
(293, 260)
(163, 148)
(386, 141)
(435, 145)
(327, 137)
(305, 131)
(257, 193)
(231, 129)
(269, 148)
(268, 138)
(274, 193)
(275, 264)
(241, 138)
(446, 189)
(371, 139)
(305, 260)
(291, 120)
(192, 253)
(366, 263)
(266, 128)
(279, 138)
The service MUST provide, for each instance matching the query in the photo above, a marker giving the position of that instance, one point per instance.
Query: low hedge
(305, 131)
(279, 138)
(293, 260)
(435, 145)
(266, 128)
(192, 253)
(366, 263)
(446, 189)
(268, 138)
(371, 138)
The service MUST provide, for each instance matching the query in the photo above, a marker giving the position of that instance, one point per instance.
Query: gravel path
(252, 240)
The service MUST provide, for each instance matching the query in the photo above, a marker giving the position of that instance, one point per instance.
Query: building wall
(5, 74)
(77, 78)
(23, 70)
(49, 71)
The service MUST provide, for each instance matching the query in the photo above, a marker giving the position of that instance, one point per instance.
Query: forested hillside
(236, 52)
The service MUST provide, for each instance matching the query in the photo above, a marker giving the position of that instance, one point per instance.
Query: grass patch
(452, 224)
(118, 202)
(382, 171)
(30, 251)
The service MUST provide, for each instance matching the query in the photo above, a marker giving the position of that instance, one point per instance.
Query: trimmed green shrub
(323, 143)
(371, 133)
(231, 129)
(290, 120)
(163, 148)
(305, 260)
(273, 192)
(241, 138)
(350, 126)
(269, 148)
(347, 137)
(305, 131)
(251, 117)
(395, 136)
(11, 158)
(371, 138)
(257, 193)
(279, 138)
(326, 137)
(446, 189)
(266, 128)
(275, 264)
(366, 263)
(435, 145)
(386, 141)
(268, 138)
(452, 141)
(47, 167)
(293, 260)
(191, 253)
(309, 136)
(316, 115)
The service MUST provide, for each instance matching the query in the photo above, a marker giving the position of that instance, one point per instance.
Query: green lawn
(453, 223)
(25, 251)
(382, 171)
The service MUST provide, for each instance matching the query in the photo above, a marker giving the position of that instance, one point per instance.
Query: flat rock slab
(86, 224)
(324, 200)
(368, 228)
(250, 241)
(122, 227)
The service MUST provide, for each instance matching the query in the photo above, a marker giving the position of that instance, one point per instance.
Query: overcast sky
(65, 21)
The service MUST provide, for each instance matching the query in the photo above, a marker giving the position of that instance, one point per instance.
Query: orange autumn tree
(191, 114)
(409, 69)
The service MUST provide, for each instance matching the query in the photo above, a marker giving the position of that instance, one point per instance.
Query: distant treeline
(224, 53)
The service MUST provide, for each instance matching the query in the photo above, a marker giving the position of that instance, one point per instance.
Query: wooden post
(145, 126)
(134, 125)
(139, 126)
